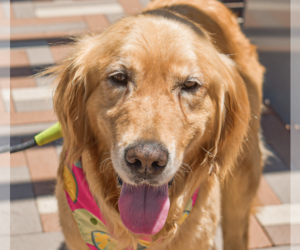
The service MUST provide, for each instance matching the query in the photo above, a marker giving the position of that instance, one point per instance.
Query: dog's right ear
(69, 104)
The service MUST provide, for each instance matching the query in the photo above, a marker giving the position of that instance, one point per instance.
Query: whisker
(180, 171)
(184, 170)
(208, 152)
(177, 175)
(174, 182)
(186, 166)
(175, 178)
(104, 162)
(107, 165)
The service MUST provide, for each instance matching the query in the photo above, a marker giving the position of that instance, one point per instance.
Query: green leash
(49, 135)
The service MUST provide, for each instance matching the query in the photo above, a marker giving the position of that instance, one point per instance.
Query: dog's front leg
(237, 198)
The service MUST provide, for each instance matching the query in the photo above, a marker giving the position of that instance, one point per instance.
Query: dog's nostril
(137, 163)
(133, 162)
(156, 165)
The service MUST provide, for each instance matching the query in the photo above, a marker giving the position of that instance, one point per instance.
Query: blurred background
(34, 34)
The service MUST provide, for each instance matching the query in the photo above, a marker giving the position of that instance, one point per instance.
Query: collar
(87, 214)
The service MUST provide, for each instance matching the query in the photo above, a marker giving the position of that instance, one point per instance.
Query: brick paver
(280, 183)
(47, 204)
(40, 55)
(59, 53)
(22, 82)
(4, 160)
(280, 235)
(38, 241)
(19, 174)
(18, 159)
(5, 219)
(266, 195)
(257, 236)
(279, 214)
(131, 6)
(4, 82)
(50, 222)
(38, 38)
(42, 162)
(96, 23)
(24, 217)
(18, 58)
(32, 117)
(4, 54)
(295, 232)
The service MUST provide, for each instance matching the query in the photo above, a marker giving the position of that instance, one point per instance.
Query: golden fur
(212, 134)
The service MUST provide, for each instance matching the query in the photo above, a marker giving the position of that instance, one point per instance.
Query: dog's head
(154, 93)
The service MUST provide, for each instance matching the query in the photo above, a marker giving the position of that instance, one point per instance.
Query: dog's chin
(139, 181)
(144, 208)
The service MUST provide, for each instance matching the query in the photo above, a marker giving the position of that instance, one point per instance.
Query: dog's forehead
(158, 42)
(159, 37)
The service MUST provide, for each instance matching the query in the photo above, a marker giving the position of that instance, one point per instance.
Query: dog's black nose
(146, 159)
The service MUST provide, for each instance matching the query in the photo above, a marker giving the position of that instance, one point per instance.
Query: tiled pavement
(39, 37)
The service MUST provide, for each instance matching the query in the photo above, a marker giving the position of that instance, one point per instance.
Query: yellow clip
(49, 135)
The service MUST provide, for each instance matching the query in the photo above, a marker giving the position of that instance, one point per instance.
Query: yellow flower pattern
(101, 240)
(70, 184)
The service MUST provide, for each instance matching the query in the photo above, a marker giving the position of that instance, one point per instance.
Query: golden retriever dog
(159, 105)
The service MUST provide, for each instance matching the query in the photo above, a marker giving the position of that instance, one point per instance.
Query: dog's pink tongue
(144, 209)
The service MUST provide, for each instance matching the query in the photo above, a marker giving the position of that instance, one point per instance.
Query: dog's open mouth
(144, 208)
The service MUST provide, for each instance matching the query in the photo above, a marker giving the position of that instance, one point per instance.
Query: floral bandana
(87, 214)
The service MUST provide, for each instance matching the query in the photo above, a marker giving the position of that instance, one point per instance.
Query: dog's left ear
(69, 101)
(233, 113)
(70, 97)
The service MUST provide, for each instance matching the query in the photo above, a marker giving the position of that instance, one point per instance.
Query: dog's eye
(119, 78)
(190, 85)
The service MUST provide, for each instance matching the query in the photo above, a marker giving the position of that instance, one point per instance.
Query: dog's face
(154, 98)
(157, 95)
(156, 101)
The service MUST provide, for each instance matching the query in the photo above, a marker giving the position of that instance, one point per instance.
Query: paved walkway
(39, 31)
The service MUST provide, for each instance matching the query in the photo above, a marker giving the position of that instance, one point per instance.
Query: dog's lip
(170, 183)
(120, 182)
